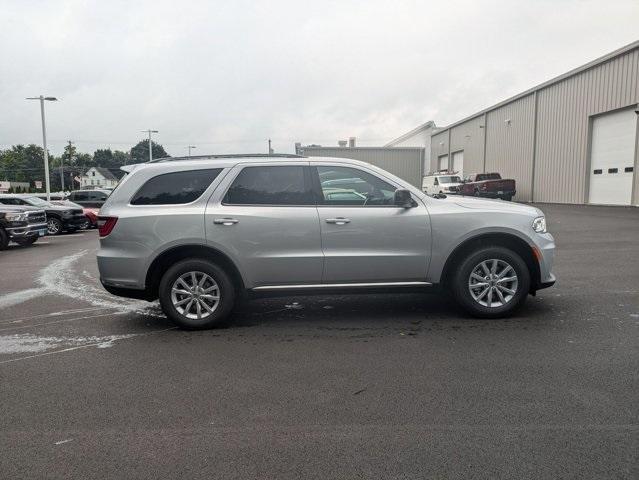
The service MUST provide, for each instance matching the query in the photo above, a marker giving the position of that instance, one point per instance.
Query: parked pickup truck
(488, 185)
(23, 225)
(59, 217)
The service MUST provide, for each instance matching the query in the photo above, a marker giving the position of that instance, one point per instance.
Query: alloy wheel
(493, 283)
(195, 295)
(52, 227)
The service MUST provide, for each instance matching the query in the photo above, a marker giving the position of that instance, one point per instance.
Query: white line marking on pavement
(64, 441)
(81, 346)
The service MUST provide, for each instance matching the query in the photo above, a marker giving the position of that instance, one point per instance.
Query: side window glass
(350, 186)
(79, 197)
(175, 188)
(277, 185)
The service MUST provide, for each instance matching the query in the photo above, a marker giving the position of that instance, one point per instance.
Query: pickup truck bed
(489, 185)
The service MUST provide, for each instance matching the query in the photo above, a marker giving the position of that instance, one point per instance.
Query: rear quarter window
(175, 188)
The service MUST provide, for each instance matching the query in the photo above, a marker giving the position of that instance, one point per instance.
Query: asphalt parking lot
(93, 386)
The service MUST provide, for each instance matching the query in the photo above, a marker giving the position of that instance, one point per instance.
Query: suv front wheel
(196, 294)
(491, 282)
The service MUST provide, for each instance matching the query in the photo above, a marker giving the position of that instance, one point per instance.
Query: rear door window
(175, 188)
(276, 185)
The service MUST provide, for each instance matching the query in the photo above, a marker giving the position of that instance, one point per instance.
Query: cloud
(226, 76)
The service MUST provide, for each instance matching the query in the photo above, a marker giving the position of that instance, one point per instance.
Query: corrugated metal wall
(469, 137)
(563, 124)
(509, 146)
(554, 167)
(405, 162)
(439, 146)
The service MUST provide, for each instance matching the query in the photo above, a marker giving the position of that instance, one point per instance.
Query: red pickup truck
(489, 185)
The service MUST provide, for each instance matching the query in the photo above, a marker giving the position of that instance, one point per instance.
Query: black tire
(26, 241)
(226, 292)
(85, 225)
(508, 198)
(54, 226)
(460, 286)
(4, 239)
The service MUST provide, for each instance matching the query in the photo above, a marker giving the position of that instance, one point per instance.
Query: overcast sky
(226, 76)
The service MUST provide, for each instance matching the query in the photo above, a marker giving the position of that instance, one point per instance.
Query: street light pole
(150, 143)
(190, 147)
(42, 98)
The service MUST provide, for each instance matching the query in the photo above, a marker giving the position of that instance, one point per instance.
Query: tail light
(105, 225)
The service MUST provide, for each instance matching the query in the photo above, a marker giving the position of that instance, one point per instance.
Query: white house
(98, 177)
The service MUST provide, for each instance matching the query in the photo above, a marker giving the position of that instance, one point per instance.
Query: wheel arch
(501, 239)
(175, 254)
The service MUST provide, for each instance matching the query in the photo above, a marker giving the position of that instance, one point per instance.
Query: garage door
(458, 163)
(612, 158)
(442, 162)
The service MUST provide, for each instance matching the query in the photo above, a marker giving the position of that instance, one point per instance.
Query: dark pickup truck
(488, 185)
(59, 217)
(23, 225)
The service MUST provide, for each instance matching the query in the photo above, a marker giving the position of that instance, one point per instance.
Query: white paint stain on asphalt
(64, 441)
(29, 343)
(59, 278)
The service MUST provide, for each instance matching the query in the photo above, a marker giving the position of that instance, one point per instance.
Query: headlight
(539, 225)
(16, 217)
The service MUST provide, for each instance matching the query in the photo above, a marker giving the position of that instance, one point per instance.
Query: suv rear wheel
(196, 294)
(491, 282)
(54, 226)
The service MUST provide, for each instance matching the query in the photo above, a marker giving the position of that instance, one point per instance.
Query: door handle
(225, 221)
(338, 220)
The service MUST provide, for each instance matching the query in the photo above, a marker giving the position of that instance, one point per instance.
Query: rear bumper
(503, 194)
(127, 292)
(73, 222)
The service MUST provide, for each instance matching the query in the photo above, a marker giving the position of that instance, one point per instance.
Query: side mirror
(403, 199)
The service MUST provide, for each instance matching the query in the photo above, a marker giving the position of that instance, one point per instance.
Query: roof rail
(228, 155)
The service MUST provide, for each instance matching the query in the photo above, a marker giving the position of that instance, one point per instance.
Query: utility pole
(190, 147)
(62, 164)
(270, 150)
(150, 143)
(42, 98)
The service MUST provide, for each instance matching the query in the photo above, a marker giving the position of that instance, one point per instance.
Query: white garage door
(458, 163)
(612, 158)
(442, 162)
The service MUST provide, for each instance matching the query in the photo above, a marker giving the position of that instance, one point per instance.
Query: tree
(121, 158)
(140, 152)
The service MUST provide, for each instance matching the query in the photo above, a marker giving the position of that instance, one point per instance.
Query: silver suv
(198, 233)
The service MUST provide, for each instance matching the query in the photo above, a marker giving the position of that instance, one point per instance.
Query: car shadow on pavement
(368, 312)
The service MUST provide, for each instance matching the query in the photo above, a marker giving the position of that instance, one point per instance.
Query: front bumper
(545, 253)
(32, 230)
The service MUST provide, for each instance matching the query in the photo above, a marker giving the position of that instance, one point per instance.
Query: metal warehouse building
(572, 139)
(405, 162)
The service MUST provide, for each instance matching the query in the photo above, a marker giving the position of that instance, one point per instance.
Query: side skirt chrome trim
(343, 285)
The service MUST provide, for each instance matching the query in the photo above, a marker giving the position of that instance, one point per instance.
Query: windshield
(37, 202)
(450, 179)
